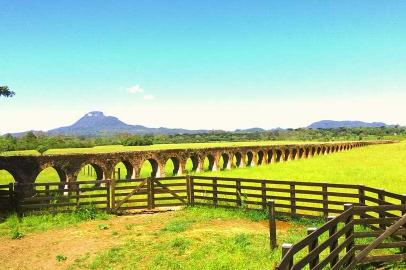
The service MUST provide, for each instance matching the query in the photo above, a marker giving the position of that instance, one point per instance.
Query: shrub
(89, 212)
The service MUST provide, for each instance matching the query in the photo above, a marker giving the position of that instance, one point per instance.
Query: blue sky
(202, 64)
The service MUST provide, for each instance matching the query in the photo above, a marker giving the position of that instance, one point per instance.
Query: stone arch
(211, 163)
(294, 154)
(301, 152)
(278, 155)
(51, 170)
(196, 165)
(98, 171)
(226, 164)
(271, 156)
(237, 158)
(249, 159)
(286, 154)
(177, 168)
(155, 170)
(7, 176)
(307, 152)
(261, 157)
(313, 151)
(129, 170)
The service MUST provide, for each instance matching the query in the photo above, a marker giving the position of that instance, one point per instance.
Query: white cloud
(149, 97)
(136, 89)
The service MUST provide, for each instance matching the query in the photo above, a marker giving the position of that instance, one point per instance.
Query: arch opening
(301, 152)
(287, 152)
(123, 170)
(307, 152)
(278, 155)
(208, 163)
(250, 158)
(224, 162)
(237, 160)
(90, 171)
(270, 156)
(51, 174)
(6, 177)
(192, 164)
(313, 152)
(260, 156)
(172, 167)
(150, 168)
(294, 153)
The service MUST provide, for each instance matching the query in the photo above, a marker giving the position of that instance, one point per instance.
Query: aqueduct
(25, 169)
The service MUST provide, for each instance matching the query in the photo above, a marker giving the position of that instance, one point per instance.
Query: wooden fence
(354, 237)
(290, 197)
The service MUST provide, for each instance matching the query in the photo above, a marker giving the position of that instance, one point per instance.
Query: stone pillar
(273, 156)
(254, 161)
(310, 152)
(161, 170)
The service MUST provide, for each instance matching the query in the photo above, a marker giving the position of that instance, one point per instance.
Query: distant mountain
(96, 124)
(250, 130)
(325, 124)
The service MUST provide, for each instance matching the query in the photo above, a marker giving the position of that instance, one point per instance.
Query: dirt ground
(39, 250)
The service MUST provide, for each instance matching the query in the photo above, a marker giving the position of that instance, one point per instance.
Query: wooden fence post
(215, 198)
(151, 193)
(292, 199)
(188, 189)
(285, 249)
(238, 192)
(272, 224)
(113, 194)
(381, 197)
(77, 187)
(108, 209)
(334, 244)
(17, 198)
(263, 192)
(312, 245)
(118, 173)
(325, 201)
(361, 194)
(349, 234)
(192, 190)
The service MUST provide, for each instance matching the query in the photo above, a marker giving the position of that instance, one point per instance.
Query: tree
(5, 91)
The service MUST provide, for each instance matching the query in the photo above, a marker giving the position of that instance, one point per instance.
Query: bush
(89, 212)
(15, 234)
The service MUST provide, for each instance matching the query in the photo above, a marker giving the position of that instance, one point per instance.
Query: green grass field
(380, 166)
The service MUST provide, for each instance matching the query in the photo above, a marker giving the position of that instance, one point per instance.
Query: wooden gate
(149, 193)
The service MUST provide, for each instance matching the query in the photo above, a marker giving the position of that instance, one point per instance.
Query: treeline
(42, 142)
